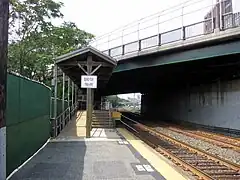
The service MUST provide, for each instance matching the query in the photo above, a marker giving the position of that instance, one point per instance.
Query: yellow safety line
(154, 158)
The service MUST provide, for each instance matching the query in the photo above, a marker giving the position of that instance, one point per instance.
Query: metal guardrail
(192, 19)
(58, 123)
(128, 126)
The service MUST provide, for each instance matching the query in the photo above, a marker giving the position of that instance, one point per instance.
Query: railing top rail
(162, 12)
(190, 19)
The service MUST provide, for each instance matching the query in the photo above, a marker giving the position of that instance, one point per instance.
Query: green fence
(28, 119)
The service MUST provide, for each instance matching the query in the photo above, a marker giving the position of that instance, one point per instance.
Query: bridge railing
(193, 18)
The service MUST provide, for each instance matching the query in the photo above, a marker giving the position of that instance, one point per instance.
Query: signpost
(89, 81)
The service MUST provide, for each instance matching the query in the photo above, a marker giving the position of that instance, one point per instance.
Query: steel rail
(189, 148)
(208, 138)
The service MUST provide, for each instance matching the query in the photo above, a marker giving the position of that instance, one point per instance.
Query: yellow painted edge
(152, 157)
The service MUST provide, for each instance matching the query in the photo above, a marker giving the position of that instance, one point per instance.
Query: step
(100, 126)
(101, 120)
(104, 122)
(102, 115)
(106, 117)
(100, 112)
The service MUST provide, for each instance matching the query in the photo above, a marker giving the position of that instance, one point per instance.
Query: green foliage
(116, 101)
(35, 41)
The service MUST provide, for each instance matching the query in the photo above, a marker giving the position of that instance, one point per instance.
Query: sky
(103, 16)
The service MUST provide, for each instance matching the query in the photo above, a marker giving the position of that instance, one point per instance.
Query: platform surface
(76, 128)
(89, 159)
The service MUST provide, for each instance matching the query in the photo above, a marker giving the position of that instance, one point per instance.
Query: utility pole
(4, 9)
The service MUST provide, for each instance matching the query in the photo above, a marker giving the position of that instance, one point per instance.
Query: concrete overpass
(188, 77)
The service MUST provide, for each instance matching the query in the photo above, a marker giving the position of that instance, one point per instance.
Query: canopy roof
(72, 62)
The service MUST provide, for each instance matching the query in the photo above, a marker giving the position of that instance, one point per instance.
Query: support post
(72, 95)
(63, 103)
(55, 100)
(89, 99)
(221, 15)
(92, 108)
(4, 5)
(69, 109)
(76, 94)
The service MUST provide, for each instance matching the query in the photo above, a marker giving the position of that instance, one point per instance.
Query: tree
(31, 54)
(27, 17)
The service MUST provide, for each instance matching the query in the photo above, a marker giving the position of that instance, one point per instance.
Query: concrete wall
(215, 104)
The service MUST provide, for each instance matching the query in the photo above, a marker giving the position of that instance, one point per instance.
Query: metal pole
(55, 99)
(89, 99)
(69, 111)
(76, 98)
(4, 5)
(63, 102)
(72, 93)
(212, 18)
(138, 31)
(221, 15)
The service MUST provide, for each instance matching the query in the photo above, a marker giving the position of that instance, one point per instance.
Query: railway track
(222, 141)
(218, 139)
(201, 164)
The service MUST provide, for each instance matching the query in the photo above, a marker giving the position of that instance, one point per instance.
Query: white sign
(88, 81)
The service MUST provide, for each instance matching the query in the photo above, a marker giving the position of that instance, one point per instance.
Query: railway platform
(108, 154)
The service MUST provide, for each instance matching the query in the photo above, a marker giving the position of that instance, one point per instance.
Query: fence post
(183, 32)
(220, 16)
(76, 99)
(159, 40)
(55, 100)
(63, 102)
(72, 97)
(69, 110)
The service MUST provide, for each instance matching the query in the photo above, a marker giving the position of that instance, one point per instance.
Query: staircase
(101, 119)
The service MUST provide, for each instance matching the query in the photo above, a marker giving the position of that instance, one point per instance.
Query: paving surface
(76, 128)
(88, 159)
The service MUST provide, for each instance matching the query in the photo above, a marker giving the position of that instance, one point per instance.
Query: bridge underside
(192, 66)
(204, 91)
(175, 75)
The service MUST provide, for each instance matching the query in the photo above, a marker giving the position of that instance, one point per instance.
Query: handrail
(130, 119)
(58, 126)
(128, 125)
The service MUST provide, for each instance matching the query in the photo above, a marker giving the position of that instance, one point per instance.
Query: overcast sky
(102, 16)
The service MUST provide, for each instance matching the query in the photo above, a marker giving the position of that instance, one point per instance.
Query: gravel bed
(224, 153)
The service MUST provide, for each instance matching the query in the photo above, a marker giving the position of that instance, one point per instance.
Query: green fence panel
(28, 119)
(13, 102)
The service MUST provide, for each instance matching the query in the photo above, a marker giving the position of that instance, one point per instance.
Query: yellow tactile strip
(154, 158)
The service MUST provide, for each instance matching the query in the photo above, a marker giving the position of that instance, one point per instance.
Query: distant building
(215, 13)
